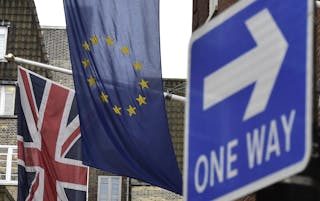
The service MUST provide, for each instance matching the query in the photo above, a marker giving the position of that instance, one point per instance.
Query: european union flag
(115, 57)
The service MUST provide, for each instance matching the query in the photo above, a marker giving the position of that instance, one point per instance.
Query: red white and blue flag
(49, 145)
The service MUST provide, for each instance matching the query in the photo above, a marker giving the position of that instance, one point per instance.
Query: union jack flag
(49, 145)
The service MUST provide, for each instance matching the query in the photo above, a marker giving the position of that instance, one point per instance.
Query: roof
(24, 36)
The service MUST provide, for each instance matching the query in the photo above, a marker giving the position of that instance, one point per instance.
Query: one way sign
(248, 119)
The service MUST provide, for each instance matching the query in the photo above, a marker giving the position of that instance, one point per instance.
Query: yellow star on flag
(143, 84)
(91, 81)
(109, 41)
(86, 46)
(137, 65)
(117, 110)
(104, 97)
(85, 63)
(131, 110)
(141, 100)
(94, 40)
(125, 50)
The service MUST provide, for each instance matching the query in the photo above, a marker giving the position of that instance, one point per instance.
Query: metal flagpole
(11, 58)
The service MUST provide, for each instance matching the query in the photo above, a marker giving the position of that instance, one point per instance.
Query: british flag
(49, 147)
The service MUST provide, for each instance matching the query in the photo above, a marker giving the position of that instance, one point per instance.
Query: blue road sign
(248, 121)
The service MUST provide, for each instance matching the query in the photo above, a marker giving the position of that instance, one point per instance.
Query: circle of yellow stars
(144, 84)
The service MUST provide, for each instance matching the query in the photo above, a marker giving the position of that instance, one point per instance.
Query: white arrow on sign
(260, 65)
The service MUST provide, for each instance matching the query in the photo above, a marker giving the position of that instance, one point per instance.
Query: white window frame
(9, 154)
(3, 31)
(109, 186)
(3, 100)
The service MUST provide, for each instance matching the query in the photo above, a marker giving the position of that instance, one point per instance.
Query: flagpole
(11, 58)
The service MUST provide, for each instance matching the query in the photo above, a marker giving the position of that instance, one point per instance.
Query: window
(3, 42)
(7, 99)
(109, 188)
(8, 165)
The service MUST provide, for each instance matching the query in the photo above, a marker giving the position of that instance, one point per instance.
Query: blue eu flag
(115, 57)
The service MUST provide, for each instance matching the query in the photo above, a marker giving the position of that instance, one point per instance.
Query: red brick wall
(200, 13)
(224, 4)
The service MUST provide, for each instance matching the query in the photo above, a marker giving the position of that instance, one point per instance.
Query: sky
(175, 31)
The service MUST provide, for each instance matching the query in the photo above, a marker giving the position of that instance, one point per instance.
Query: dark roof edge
(52, 27)
(176, 79)
(45, 58)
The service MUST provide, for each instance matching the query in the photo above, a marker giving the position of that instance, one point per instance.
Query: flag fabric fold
(115, 55)
(49, 145)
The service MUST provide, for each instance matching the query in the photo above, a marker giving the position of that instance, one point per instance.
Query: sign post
(248, 120)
